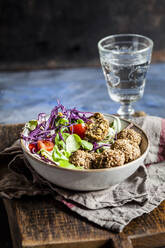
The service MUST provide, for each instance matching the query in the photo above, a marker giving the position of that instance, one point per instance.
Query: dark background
(38, 34)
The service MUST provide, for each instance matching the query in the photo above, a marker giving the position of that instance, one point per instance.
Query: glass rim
(101, 48)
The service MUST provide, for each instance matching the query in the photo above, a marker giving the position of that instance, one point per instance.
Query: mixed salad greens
(55, 137)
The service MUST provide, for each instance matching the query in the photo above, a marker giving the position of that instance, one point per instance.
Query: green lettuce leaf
(73, 143)
(59, 154)
(31, 125)
(61, 121)
(65, 136)
(116, 124)
(86, 145)
(46, 154)
(79, 121)
(65, 164)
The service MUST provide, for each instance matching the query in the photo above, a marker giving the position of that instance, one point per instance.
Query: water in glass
(125, 81)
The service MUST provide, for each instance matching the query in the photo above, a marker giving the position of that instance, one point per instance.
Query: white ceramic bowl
(87, 180)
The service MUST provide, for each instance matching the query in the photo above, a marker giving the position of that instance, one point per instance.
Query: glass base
(126, 111)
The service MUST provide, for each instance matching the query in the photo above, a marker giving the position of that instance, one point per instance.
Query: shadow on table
(5, 239)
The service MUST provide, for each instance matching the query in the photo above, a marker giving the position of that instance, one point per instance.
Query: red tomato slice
(78, 129)
(45, 144)
(32, 147)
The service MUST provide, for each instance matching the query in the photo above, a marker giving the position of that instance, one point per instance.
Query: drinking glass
(125, 59)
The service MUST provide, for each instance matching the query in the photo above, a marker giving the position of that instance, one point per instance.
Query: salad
(55, 138)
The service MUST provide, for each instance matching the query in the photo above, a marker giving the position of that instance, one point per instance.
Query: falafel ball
(130, 149)
(97, 128)
(82, 158)
(130, 134)
(109, 158)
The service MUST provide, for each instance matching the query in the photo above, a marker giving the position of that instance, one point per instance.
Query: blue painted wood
(25, 94)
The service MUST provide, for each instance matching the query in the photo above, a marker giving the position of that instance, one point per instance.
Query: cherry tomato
(78, 129)
(45, 144)
(32, 147)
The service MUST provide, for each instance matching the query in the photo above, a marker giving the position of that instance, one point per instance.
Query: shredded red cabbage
(41, 117)
(97, 146)
(45, 127)
(47, 160)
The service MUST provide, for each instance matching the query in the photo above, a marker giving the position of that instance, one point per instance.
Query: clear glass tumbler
(125, 59)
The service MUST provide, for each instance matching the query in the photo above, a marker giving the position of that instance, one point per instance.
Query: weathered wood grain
(43, 222)
(14, 229)
(148, 230)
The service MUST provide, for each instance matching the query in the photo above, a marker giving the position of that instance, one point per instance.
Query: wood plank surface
(43, 222)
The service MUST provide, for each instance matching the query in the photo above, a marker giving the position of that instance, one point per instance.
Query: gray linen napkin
(112, 208)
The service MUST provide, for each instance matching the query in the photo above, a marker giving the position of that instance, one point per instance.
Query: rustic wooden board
(43, 222)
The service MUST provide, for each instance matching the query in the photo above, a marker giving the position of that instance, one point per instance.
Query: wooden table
(42, 222)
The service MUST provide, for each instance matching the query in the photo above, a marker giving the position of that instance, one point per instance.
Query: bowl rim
(91, 170)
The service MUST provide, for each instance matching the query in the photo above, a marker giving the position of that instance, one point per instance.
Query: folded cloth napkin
(111, 208)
